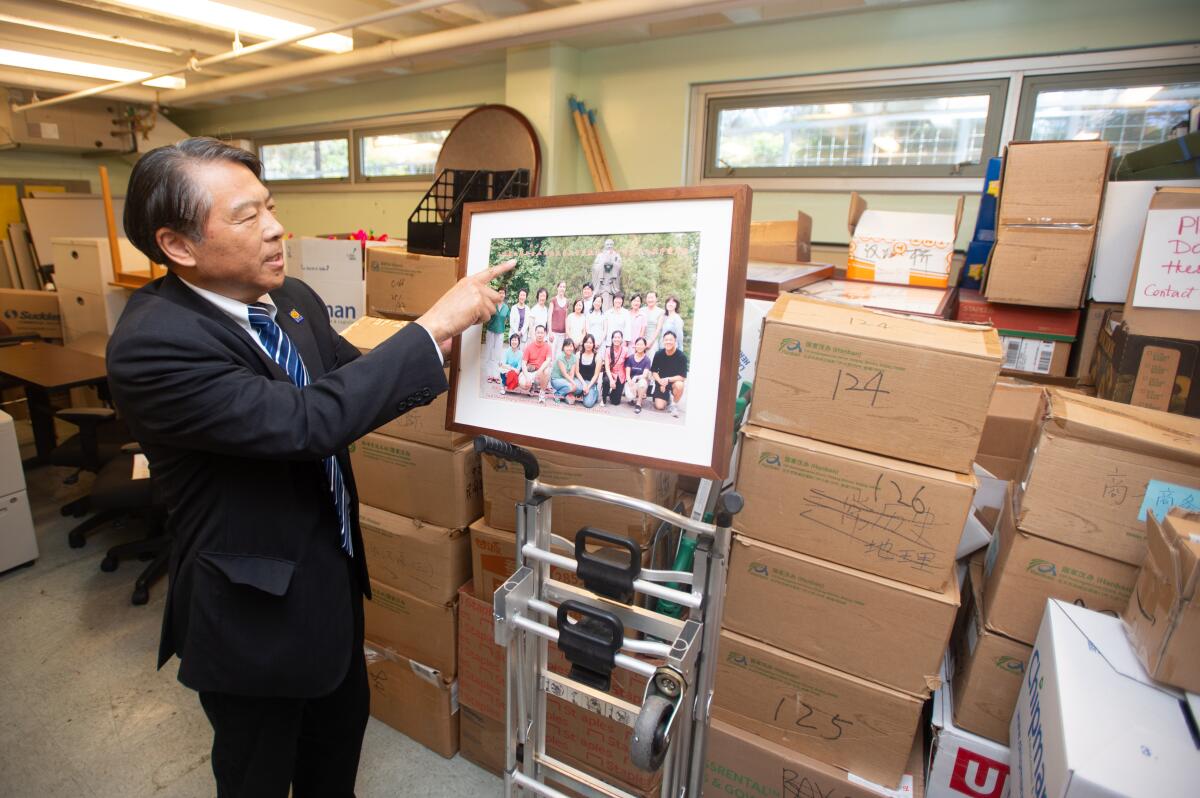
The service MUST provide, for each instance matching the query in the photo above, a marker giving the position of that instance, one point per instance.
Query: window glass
(321, 159)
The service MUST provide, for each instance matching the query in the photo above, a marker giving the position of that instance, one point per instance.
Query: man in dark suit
(244, 400)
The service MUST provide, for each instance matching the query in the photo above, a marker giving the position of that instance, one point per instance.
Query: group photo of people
(600, 324)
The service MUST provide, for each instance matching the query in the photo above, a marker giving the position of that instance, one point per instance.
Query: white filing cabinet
(83, 274)
(18, 544)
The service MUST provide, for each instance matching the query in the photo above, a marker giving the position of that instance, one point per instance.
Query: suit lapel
(298, 328)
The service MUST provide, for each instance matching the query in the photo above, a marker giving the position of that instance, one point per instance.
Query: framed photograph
(618, 338)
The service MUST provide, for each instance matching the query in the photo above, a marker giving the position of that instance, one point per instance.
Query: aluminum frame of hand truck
(684, 680)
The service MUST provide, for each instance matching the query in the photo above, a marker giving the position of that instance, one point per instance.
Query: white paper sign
(1168, 274)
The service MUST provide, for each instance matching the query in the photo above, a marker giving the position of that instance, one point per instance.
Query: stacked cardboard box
(419, 485)
(856, 475)
(403, 284)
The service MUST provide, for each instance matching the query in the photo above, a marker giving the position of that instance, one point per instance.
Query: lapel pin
(296, 317)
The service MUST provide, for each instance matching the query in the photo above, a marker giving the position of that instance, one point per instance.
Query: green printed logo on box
(1010, 665)
(790, 346)
(1042, 568)
(769, 459)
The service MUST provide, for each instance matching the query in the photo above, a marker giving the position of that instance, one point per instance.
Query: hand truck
(677, 656)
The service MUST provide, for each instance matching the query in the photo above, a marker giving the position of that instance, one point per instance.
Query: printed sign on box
(1168, 273)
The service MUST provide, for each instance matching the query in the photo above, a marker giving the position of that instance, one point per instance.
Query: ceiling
(442, 35)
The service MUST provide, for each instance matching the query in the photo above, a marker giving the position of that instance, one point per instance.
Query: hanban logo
(1010, 664)
(769, 459)
(759, 569)
(737, 659)
(1042, 568)
(791, 346)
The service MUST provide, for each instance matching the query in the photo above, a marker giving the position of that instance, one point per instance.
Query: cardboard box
(482, 740)
(1164, 294)
(766, 280)
(962, 764)
(410, 626)
(887, 517)
(1083, 354)
(1175, 157)
(933, 303)
(738, 763)
(435, 486)
(1163, 616)
(418, 558)
(782, 241)
(30, 313)
(406, 284)
(421, 424)
(1090, 723)
(333, 267)
(862, 624)
(901, 247)
(1050, 196)
(1023, 570)
(1147, 371)
(1089, 472)
(840, 719)
(595, 744)
(1014, 420)
(1119, 234)
(914, 389)
(988, 669)
(1036, 340)
(414, 699)
(504, 487)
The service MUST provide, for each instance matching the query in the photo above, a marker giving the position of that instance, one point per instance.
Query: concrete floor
(84, 714)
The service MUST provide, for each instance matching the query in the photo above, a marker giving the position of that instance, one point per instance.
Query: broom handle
(586, 143)
(602, 167)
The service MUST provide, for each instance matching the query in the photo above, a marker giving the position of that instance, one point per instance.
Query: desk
(42, 368)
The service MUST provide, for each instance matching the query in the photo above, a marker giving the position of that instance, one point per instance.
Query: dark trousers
(261, 746)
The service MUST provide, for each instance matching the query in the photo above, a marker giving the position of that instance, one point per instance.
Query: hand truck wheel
(650, 739)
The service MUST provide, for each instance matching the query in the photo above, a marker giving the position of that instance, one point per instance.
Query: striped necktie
(283, 352)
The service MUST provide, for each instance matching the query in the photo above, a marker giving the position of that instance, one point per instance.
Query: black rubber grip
(486, 444)
(599, 576)
(729, 504)
(591, 645)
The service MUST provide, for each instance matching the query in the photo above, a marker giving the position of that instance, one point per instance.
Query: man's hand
(470, 301)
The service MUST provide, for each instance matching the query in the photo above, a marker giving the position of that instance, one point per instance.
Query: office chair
(99, 440)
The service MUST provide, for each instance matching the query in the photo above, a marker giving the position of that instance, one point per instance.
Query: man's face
(669, 344)
(587, 294)
(241, 254)
(540, 335)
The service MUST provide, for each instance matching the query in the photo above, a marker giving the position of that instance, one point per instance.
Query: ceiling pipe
(240, 52)
(529, 28)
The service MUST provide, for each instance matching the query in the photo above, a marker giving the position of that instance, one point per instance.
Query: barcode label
(1027, 354)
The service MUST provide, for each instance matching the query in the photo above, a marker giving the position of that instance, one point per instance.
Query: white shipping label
(1027, 354)
(905, 790)
(141, 467)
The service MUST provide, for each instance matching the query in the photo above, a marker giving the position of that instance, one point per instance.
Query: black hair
(163, 191)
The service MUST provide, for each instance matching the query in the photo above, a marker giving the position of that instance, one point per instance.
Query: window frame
(1016, 70)
(995, 88)
(301, 138)
(412, 127)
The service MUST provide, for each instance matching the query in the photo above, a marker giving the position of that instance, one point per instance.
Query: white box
(1122, 219)
(962, 764)
(18, 542)
(752, 320)
(1090, 723)
(333, 267)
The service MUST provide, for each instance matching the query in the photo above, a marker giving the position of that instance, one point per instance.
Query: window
(1130, 109)
(308, 159)
(400, 153)
(937, 129)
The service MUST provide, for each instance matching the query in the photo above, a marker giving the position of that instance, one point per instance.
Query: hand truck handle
(486, 444)
(608, 579)
(729, 504)
(591, 645)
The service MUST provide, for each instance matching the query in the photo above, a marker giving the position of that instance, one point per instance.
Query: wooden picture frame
(691, 241)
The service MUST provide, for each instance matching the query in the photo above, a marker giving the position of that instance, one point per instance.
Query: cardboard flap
(1053, 183)
(1161, 558)
(1182, 529)
(1094, 631)
(371, 331)
(944, 336)
(857, 206)
(1126, 427)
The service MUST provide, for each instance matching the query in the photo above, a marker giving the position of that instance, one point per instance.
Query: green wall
(643, 91)
(65, 166)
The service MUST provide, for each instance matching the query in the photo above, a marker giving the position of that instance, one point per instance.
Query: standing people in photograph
(539, 314)
(637, 319)
(637, 374)
(614, 369)
(668, 375)
(589, 370)
(560, 306)
(535, 363)
(518, 317)
(495, 329)
(672, 321)
(596, 318)
(565, 377)
(510, 365)
(617, 320)
(576, 321)
(654, 322)
(586, 292)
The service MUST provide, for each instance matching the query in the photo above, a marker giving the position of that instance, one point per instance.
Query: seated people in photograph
(535, 363)
(637, 374)
(668, 375)
(613, 386)
(564, 379)
(496, 327)
(575, 321)
(510, 365)
(518, 317)
(596, 318)
(588, 370)
(617, 320)
(672, 321)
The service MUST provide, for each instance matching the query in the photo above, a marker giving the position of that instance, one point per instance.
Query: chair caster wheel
(109, 564)
(76, 541)
(140, 596)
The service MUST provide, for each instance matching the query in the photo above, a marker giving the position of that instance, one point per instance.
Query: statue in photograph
(606, 273)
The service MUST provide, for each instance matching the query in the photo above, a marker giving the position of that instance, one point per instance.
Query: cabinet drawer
(80, 266)
(82, 313)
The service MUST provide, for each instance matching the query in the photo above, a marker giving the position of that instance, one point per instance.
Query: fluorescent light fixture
(887, 144)
(87, 34)
(84, 69)
(223, 16)
(836, 110)
(1086, 135)
(1137, 95)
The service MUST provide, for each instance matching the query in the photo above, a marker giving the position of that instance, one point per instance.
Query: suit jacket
(261, 596)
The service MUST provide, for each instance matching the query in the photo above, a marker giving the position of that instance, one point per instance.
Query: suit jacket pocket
(271, 575)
